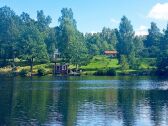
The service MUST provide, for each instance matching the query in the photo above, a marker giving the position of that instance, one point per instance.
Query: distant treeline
(33, 40)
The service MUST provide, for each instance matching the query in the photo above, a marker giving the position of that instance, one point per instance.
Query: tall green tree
(26, 20)
(138, 45)
(70, 41)
(109, 36)
(66, 33)
(93, 42)
(152, 42)
(9, 32)
(32, 44)
(124, 63)
(164, 42)
(51, 42)
(99, 42)
(162, 59)
(43, 21)
(79, 53)
(125, 35)
(48, 33)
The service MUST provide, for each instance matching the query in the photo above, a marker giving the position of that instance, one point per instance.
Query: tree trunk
(55, 64)
(13, 58)
(31, 66)
(4, 60)
(76, 67)
(13, 61)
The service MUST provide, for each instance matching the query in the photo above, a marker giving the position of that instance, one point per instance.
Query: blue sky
(93, 15)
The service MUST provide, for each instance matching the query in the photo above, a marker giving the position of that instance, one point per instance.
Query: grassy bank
(24, 70)
(102, 65)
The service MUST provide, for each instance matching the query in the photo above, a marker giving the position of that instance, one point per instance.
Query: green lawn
(147, 63)
(48, 67)
(101, 62)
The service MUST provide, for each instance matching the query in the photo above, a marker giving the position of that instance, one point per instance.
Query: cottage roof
(110, 52)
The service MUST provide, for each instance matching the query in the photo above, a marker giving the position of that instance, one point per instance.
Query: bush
(162, 66)
(99, 73)
(24, 72)
(41, 71)
(109, 72)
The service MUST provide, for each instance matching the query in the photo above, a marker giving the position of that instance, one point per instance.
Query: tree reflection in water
(70, 101)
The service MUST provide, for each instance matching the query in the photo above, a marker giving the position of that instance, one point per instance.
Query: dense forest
(33, 40)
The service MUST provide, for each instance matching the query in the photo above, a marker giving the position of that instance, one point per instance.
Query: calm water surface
(84, 101)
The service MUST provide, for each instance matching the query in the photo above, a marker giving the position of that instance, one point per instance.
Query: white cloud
(92, 32)
(114, 21)
(159, 11)
(142, 30)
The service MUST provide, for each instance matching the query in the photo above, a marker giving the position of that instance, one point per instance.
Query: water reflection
(87, 101)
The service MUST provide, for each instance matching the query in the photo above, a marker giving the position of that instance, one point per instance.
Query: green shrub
(108, 72)
(111, 72)
(41, 71)
(24, 72)
(99, 73)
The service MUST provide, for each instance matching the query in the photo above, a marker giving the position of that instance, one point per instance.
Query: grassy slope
(103, 62)
(97, 63)
(100, 63)
(48, 67)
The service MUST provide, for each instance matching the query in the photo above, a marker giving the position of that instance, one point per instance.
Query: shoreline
(132, 73)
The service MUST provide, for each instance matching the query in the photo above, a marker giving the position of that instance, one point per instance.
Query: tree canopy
(34, 40)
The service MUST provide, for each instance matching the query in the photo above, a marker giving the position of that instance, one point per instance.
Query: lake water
(84, 101)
